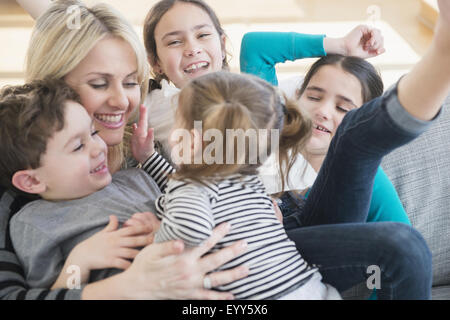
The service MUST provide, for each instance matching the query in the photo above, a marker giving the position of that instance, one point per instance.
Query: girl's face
(106, 80)
(188, 45)
(330, 94)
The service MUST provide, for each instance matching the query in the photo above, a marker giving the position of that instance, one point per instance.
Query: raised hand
(363, 42)
(142, 144)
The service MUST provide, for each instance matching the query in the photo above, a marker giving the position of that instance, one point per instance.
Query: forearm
(34, 7)
(422, 91)
(259, 58)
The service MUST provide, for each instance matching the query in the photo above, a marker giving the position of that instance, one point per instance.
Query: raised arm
(422, 91)
(261, 51)
(34, 7)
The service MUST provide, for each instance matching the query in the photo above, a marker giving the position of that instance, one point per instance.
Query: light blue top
(261, 51)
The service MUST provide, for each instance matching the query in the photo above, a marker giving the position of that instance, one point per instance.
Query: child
(328, 99)
(60, 157)
(184, 40)
(205, 193)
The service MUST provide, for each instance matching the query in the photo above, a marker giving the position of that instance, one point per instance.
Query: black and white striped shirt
(190, 211)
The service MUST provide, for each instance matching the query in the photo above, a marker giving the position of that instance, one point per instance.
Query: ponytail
(223, 116)
(295, 133)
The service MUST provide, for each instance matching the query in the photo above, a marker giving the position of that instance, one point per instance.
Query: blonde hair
(224, 101)
(56, 48)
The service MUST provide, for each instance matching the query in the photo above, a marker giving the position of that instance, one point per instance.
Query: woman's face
(107, 82)
(329, 95)
(188, 44)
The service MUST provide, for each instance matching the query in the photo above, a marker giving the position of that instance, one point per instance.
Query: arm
(422, 91)
(385, 204)
(259, 58)
(34, 7)
(186, 214)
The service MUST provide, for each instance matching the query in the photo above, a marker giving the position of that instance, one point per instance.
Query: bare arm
(423, 90)
(34, 7)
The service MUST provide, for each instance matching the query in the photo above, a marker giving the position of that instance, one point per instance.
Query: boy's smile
(75, 162)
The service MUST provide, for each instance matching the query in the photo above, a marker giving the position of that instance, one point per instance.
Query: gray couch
(420, 171)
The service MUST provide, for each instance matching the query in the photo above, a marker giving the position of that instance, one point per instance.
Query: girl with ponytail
(225, 119)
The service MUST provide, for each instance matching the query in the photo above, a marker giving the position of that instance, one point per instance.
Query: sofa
(420, 171)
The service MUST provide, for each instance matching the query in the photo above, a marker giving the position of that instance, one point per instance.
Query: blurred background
(407, 26)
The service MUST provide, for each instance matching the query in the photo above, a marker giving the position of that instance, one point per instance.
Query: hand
(142, 144)
(278, 213)
(168, 271)
(144, 219)
(363, 42)
(112, 247)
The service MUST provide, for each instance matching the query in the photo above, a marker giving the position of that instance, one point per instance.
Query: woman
(105, 63)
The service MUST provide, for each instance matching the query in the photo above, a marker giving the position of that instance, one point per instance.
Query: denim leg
(344, 252)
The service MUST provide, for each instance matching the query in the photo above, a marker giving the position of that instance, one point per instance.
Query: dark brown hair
(367, 75)
(155, 15)
(29, 116)
(228, 101)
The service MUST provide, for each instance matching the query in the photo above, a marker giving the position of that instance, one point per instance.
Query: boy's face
(75, 162)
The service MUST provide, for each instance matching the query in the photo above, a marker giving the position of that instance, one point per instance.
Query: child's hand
(144, 219)
(364, 42)
(142, 145)
(278, 213)
(113, 247)
(109, 248)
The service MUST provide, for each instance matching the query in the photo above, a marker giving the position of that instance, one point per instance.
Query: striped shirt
(190, 211)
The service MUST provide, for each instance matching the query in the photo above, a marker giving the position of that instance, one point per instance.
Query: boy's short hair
(30, 114)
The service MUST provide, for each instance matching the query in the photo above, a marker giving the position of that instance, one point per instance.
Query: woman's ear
(28, 182)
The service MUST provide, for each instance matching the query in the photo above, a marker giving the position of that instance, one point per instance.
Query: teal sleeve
(261, 51)
(386, 204)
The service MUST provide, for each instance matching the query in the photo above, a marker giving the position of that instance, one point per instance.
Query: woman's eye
(98, 86)
(204, 35)
(131, 84)
(313, 98)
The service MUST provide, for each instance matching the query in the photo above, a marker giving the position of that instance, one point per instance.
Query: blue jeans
(329, 227)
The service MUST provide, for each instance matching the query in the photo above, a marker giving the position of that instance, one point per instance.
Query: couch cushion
(420, 171)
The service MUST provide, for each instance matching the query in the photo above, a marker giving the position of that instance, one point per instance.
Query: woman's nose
(118, 98)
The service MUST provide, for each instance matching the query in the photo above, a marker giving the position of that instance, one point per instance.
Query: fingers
(217, 234)
(112, 225)
(136, 241)
(214, 260)
(143, 120)
(224, 277)
(161, 250)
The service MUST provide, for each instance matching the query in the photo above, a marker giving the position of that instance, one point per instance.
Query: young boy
(51, 152)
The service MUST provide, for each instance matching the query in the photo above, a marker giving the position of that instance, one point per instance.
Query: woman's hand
(168, 271)
(142, 144)
(363, 42)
